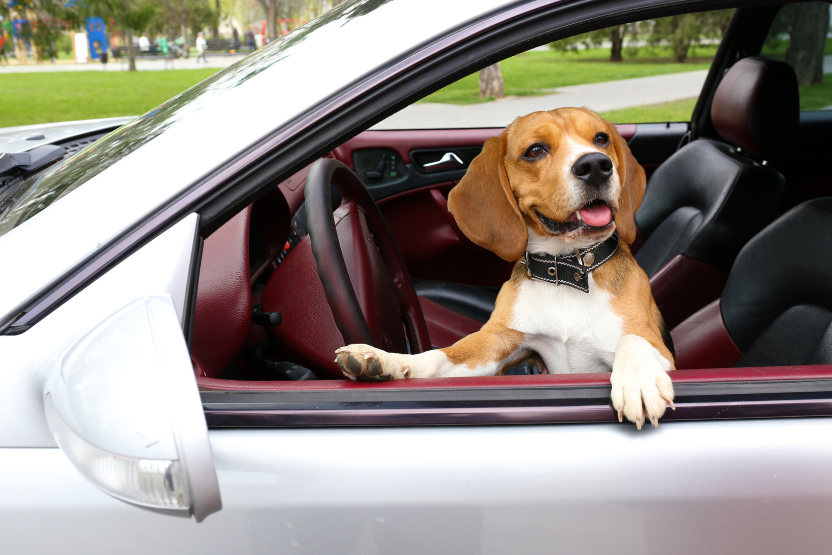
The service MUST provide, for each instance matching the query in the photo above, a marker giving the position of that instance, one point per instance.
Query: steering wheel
(360, 265)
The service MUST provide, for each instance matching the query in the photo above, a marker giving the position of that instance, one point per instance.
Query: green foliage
(684, 32)
(30, 98)
(593, 39)
(172, 15)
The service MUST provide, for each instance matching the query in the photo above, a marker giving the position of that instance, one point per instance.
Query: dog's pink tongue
(596, 214)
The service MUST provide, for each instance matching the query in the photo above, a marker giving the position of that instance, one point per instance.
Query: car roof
(196, 132)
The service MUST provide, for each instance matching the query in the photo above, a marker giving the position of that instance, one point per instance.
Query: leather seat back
(709, 198)
(777, 304)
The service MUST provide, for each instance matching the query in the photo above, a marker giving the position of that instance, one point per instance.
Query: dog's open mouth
(593, 216)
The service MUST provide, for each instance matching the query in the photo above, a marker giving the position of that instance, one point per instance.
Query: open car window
(646, 71)
(799, 35)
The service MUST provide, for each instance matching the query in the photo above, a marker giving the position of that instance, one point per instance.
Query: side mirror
(123, 405)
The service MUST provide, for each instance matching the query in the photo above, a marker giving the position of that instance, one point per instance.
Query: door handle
(449, 158)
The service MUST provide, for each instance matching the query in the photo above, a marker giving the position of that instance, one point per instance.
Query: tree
(683, 32)
(595, 39)
(179, 16)
(807, 39)
(270, 9)
(491, 82)
(130, 15)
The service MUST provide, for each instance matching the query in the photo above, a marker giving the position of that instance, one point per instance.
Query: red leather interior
(683, 286)
(434, 247)
(308, 334)
(702, 341)
(778, 373)
(405, 141)
(223, 301)
(446, 326)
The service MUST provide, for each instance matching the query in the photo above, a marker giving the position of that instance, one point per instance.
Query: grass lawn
(538, 72)
(815, 97)
(30, 98)
(679, 110)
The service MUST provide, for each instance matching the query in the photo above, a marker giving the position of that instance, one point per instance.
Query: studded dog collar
(571, 269)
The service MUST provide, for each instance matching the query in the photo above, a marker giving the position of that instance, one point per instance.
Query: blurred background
(66, 60)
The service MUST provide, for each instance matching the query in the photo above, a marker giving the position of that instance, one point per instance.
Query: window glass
(800, 36)
(648, 71)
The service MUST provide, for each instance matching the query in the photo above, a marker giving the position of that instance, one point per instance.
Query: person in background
(250, 40)
(3, 45)
(102, 55)
(179, 47)
(162, 44)
(201, 47)
(235, 38)
(144, 43)
(115, 46)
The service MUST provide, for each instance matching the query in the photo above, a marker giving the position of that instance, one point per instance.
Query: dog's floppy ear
(484, 206)
(633, 182)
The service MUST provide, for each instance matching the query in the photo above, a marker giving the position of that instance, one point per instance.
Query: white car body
(717, 486)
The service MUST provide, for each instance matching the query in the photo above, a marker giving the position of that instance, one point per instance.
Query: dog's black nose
(593, 168)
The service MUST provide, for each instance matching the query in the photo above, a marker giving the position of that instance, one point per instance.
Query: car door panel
(413, 198)
(741, 486)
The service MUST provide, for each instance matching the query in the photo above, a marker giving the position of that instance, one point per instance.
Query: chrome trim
(448, 157)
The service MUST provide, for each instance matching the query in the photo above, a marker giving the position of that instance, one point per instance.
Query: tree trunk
(271, 23)
(491, 82)
(617, 43)
(131, 54)
(807, 39)
(183, 30)
(680, 51)
(216, 30)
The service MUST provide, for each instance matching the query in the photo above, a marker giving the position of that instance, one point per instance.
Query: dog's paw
(363, 362)
(641, 388)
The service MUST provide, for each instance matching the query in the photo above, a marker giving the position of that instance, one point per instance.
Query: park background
(52, 54)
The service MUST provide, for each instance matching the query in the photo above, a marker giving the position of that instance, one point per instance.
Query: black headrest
(757, 108)
(787, 264)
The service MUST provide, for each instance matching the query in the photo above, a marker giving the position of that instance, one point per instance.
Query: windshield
(38, 193)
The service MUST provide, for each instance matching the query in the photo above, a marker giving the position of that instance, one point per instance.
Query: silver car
(170, 302)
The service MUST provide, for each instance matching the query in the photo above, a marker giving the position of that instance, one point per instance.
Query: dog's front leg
(483, 353)
(641, 387)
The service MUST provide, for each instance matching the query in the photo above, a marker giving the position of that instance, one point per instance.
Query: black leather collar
(571, 269)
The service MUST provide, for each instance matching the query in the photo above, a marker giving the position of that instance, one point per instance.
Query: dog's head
(566, 176)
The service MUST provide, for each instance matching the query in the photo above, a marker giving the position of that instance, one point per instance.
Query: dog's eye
(534, 152)
(601, 139)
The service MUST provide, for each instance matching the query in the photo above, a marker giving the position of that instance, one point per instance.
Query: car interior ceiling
(728, 234)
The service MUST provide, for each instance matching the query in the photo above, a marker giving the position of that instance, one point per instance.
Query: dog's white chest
(573, 331)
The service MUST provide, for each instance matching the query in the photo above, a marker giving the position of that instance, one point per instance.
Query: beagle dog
(557, 192)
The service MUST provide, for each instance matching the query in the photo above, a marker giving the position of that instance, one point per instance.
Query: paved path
(601, 97)
(141, 65)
